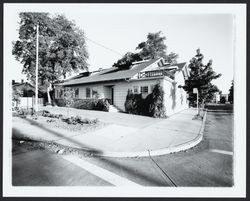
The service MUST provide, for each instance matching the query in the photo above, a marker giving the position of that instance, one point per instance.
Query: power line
(114, 51)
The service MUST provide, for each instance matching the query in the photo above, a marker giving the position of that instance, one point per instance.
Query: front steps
(113, 108)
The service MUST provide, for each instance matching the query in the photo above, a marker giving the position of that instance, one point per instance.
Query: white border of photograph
(239, 188)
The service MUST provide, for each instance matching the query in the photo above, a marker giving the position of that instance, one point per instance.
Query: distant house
(216, 98)
(26, 89)
(27, 92)
(114, 83)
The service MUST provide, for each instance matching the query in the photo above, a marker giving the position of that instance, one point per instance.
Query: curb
(159, 152)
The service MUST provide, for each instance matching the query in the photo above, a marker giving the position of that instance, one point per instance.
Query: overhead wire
(103, 46)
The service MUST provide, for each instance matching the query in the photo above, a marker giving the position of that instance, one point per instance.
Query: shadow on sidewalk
(134, 173)
(34, 123)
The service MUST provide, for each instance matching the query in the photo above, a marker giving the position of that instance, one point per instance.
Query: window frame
(77, 94)
(142, 91)
(136, 87)
(90, 92)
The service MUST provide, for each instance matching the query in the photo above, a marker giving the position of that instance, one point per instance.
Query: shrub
(68, 96)
(102, 105)
(155, 103)
(60, 102)
(92, 104)
(151, 106)
(129, 107)
(79, 120)
(84, 104)
(223, 100)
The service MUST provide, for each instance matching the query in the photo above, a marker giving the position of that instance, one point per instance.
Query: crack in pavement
(164, 172)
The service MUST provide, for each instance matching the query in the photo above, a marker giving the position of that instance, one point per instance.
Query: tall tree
(62, 48)
(231, 93)
(153, 47)
(200, 77)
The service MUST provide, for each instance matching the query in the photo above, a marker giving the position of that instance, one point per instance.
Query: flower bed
(74, 123)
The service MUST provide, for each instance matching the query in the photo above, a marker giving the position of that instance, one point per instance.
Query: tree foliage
(16, 97)
(61, 47)
(200, 77)
(222, 100)
(68, 96)
(153, 47)
(231, 93)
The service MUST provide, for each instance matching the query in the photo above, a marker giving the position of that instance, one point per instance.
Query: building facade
(113, 84)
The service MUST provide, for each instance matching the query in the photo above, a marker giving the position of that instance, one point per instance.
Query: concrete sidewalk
(127, 136)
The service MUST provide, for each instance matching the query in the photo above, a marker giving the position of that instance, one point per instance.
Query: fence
(29, 102)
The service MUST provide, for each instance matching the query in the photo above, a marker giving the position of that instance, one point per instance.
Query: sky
(122, 27)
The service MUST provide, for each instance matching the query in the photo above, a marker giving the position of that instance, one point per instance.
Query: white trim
(222, 152)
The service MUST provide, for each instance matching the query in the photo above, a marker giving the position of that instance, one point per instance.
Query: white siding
(82, 90)
(175, 98)
(107, 92)
(121, 90)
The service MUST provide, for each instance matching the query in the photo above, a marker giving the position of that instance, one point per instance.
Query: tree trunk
(48, 94)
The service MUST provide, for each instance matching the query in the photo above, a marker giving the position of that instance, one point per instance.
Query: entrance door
(112, 95)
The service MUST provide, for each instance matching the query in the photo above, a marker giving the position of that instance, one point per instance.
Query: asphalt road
(208, 164)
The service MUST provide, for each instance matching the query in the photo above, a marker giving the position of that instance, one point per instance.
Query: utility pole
(197, 102)
(195, 91)
(36, 98)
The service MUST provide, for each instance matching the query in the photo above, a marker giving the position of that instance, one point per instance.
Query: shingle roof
(111, 74)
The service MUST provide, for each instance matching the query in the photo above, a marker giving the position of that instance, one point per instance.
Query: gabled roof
(16, 84)
(111, 74)
(180, 65)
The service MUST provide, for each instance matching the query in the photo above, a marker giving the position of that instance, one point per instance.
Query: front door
(112, 95)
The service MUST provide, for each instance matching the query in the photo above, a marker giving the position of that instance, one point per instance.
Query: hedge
(87, 104)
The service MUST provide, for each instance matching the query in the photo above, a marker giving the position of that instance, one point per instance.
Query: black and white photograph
(124, 100)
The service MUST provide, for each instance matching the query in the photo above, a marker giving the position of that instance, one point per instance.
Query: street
(210, 163)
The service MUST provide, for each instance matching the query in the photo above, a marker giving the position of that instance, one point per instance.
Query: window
(57, 93)
(77, 93)
(87, 92)
(136, 89)
(144, 89)
(61, 93)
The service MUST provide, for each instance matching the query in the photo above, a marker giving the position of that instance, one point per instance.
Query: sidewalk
(127, 136)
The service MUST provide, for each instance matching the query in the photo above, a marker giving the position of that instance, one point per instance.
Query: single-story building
(27, 94)
(114, 83)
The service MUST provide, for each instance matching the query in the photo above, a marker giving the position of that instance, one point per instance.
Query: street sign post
(195, 91)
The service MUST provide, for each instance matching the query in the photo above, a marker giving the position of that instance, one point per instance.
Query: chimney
(13, 82)
(22, 81)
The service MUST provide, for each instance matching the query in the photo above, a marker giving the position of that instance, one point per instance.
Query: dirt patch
(19, 146)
